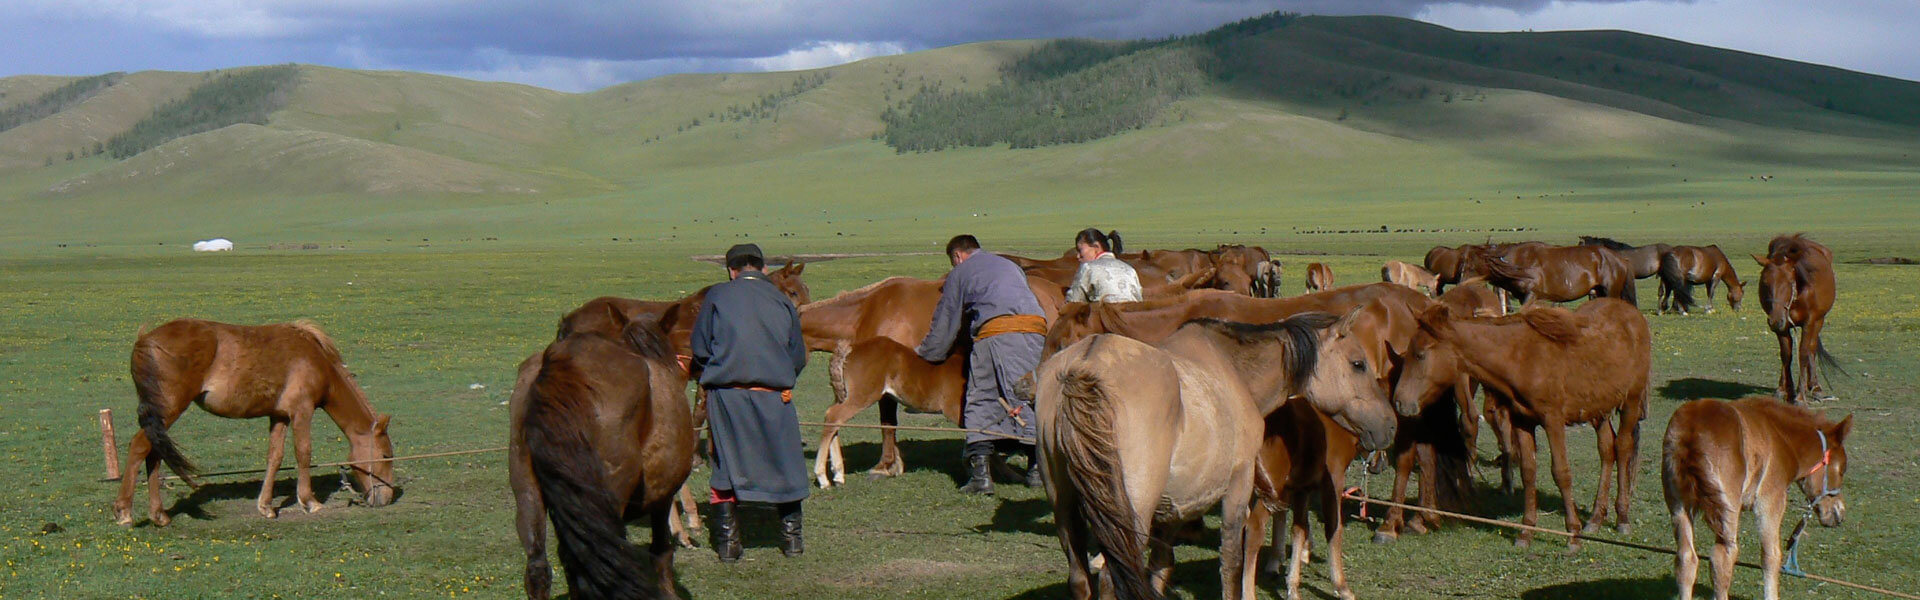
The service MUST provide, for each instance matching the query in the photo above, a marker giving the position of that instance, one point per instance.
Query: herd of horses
(1213, 391)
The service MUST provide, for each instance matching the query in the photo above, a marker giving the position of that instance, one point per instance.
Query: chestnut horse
(898, 309)
(1722, 457)
(1394, 271)
(1136, 439)
(1150, 287)
(1644, 261)
(1684, 266)
(1262, 272)
(1474, 297)
(1153, 320)
(1534, 271)
(1797, 290)
(602, 433)
(1319, 277)
(281, 372)
(1447, 265)
(1304, 455)
(1550, 368)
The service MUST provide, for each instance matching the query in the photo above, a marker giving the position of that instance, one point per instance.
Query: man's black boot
(790, 543)
(979, 469)
(1034, 478)
(726, 532)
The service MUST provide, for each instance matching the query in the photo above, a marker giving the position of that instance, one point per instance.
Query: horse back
(632, 407)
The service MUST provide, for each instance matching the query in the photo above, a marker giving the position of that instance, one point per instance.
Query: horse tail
(1827, 360)
(1674, 277)
(587, 521)
(1689, 474)
(153, 413)
(1453, 460)
(1629, 287)
(1093, 469)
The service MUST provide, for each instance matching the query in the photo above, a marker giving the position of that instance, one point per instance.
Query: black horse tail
(1827, 360)
(587, 521)
(1452, 457)
(1113, 238)
(1674, 277)
(1629, 288)
(1094, 471)
(153, 416)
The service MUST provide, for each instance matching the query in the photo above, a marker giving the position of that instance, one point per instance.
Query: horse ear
(1762, 260)
(1435, 319)
(1400, 327)
(380, 424)
(1839, 433)
(793, 269)
(618, 318)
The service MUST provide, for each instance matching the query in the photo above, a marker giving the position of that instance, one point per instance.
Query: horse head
(789, 282)
(1348, 379)
(1736, 291)
(375, 478)
(1230, 272)
(1779, 284)
(1429, 365)
(1825, 499)
(1076, 320)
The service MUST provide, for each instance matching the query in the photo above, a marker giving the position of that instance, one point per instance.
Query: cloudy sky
(580, 45)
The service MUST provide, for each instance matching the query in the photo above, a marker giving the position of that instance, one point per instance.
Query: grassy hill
(1282, 125)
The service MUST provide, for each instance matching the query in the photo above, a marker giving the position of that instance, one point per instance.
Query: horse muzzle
(1831, 512)
(381, 495)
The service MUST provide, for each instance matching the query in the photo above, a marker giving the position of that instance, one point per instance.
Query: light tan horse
(879, 368)
(1721, 457)
(281, 372)
(1319, 277)
(1136, 439)
(1411, 276)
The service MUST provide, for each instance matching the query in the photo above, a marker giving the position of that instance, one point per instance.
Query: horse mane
(1298, 336)
(1791, 413)
(647, 339)
(1555, 324)
(846, 295)
(1499, 267)
(332, 355)
(1608, 243)
(312, 330)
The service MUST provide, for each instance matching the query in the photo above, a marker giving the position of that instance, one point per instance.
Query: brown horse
(675, 316)
(1319, 277)
(1473, 297)
(1263, 272)
(898, 309)
(1684, 266)
(1722, 457)
(1394, 271)
(1153, 320)
(1797, 290)
(1534, 271)
(603, 432)
(1551, 368)
(1304, 455)
(1644, 261)
(1136, 439)
(1149, 287)
(1446, 264)
(281, 372)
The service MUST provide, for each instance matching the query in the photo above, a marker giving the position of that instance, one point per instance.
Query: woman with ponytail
(1102, 277)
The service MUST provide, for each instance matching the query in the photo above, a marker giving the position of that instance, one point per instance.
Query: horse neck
(347, 405)
(1474, 340)
(830, 323)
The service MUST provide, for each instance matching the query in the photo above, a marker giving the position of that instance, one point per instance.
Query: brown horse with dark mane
(1534, 271)
(1722, 457)
(281, 372)
(1446, 264)
(1797, 290)
(1684, 266)
(603, 433)
(1644, 261)
(1551, 368)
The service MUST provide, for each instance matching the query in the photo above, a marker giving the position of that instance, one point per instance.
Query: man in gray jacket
(747, 351)
(987, 298)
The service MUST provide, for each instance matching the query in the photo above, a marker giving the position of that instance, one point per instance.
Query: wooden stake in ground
(106, 443)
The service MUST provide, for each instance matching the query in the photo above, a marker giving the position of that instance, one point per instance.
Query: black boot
(790, 543)
(726, 532)
(979, 469)
(1034, 478)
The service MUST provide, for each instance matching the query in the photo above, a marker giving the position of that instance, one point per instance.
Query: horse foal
(1722, 457)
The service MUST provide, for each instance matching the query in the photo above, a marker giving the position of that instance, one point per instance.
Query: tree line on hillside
(1065, 91)
(59, 99)
(229, 98)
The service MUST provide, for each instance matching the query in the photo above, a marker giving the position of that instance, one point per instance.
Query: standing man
(748, 352)
(987, 297)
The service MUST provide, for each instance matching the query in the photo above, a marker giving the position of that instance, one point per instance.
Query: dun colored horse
(1723, 457)
(1644, 261)
(1137, 439)
(1153, 320)
(1319, 277)
(1411, 276)
(602, 433)
(1536, 271)
(1797, 290)
(1684, 266)
(281, 372)
(1550, 368)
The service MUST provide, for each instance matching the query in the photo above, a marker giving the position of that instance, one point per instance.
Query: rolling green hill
(1268, 125)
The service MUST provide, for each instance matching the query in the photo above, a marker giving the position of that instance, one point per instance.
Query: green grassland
(457, 220)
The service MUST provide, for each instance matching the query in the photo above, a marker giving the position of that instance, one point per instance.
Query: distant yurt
(213, 245)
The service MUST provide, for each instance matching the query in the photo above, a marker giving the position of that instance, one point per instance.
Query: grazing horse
(1411, 276)
(1797, 290)
(1136, 439)
(1684, 266)
(898, 309)
(1474, 297)
(1153, 320)
(1550, 368)
(1722, 457)
(1447, 265)
(281, 372)
(1534, 271)
(602, 433)
(1319, 277)
(1644, 261)
(1263, 273)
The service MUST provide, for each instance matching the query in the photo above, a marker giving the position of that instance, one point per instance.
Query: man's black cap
(740, 250)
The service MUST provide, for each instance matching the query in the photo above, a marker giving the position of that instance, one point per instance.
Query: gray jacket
(1105, 279)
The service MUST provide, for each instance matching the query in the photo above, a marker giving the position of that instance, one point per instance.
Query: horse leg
(1725, 522)
(530, 512)
(1809, 368)
(1160, 559)
(1258, 518)
(661, 548)
(829, 439)
(1603, 433)
(1503, 433)
(690, 507)
(1686, 563)
(890, 458)
(1302, 548)
(1563, 476)
(1710, 283)
(1402, 471)
(1626, 447)
(1236, 574)
(138, 451)
(1787, 391)
(1524, 453)
(303, 456)
(1331, 520)
(1770, 508)
(1072, 530)
(276, 448)
(1428, 494)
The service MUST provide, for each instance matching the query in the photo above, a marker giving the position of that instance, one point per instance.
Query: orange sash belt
(785, 395)
(1011, 324)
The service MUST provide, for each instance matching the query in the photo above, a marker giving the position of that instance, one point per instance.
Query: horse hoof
(1382, 537)
(312, 506)
(268, 511)
(1522, 542)
(1572, 548)
(1591, 527)
(160, 519)
(1623, 529)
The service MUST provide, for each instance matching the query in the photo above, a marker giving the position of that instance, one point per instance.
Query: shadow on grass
(1646, 587)
(1033, 515)
(1693, 388)
(1196, 578)
(195, 504)
(942, 456)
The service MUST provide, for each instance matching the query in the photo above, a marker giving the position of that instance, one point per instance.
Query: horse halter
(1826, 488)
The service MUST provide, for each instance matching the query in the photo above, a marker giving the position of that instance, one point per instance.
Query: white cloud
(825, 54)
(587, 74)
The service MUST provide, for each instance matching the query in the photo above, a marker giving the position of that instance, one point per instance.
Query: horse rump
(1094, 471)
(587, 520)
(147, 374)
(1674, 276)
